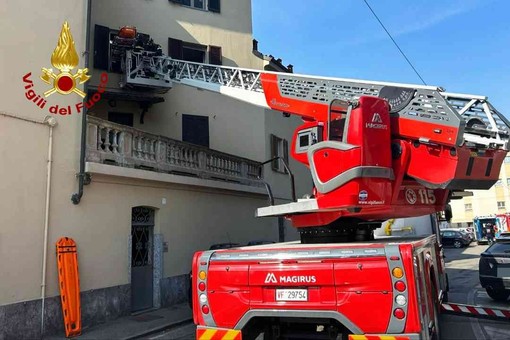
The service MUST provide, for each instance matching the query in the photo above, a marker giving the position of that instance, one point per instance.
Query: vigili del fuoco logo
(65, 59)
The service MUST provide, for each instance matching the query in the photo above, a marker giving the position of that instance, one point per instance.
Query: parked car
(470, 231)
(494, 270)
(455, 238)
(505, 235)
(465, 231)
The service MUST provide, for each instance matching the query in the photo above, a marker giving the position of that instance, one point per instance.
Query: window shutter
(175, 48)
(215, 55)
(285, 153)
(101, 47)
(214, 6)
(274, 152)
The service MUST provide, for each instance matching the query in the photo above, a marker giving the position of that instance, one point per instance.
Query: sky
(460, 45)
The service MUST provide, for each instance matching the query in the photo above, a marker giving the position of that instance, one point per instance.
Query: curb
(158, 329)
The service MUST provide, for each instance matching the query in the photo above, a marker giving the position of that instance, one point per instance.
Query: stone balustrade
(115, 144)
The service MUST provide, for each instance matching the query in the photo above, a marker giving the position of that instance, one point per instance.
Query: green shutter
(274, 152)
(286, 153)
(214, 6)
(175, 48)
(101, 47)
(215, 55)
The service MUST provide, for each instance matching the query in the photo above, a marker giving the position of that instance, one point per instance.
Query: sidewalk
(134, 326)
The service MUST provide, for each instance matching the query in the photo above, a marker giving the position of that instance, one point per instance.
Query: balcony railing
(120, 145)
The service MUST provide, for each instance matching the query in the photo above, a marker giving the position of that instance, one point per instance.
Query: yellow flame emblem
(65, 58)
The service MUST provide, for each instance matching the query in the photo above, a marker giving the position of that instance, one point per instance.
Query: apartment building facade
(143, 179)
(494, 201)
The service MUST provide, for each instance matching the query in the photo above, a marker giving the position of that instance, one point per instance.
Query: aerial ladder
(376, 150)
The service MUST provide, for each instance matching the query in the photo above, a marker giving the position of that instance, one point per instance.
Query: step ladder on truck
(376, 151)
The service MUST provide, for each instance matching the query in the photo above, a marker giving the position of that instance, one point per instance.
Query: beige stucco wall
(22, 192)
(32, 29)
(191, 219)
(484, 202)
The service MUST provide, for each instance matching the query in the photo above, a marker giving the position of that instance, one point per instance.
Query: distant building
(494, 201)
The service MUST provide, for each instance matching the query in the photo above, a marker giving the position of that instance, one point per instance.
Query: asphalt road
(462, 268)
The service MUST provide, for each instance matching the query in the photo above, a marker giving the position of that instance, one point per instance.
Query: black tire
(498, 294)
(436, 335)
(457, 244)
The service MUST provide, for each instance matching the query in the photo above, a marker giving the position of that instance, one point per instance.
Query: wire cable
(398, 47)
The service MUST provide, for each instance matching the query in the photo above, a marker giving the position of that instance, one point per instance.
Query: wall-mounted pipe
(52, 122)
(82, 176)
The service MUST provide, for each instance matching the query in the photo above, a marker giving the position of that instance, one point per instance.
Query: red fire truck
(375, 150)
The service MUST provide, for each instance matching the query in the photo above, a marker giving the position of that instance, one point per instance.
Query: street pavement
(462, 268)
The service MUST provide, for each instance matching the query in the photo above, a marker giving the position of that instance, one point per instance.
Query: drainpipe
(83, 178)
(52, 122)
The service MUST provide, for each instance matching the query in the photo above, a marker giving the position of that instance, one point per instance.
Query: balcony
(122, 146)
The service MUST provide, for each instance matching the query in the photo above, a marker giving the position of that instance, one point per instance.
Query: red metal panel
(413, 323)
(370, 311)
(358, 275)
(330, 162)
(299, 107)
(227, 307)
(414, 130)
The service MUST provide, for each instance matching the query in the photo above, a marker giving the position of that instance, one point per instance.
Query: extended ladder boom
(474, 119)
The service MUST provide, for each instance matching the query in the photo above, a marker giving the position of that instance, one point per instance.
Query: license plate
(291, 295)
(504, 272)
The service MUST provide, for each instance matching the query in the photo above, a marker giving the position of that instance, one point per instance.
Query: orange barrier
(69, 284)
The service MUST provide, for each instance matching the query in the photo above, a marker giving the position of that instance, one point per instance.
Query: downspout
(52, 122)
(82, 176)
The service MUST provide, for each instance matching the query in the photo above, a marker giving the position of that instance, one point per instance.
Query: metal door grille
(142, 222)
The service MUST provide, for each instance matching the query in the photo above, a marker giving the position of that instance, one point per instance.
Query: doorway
(142, 258)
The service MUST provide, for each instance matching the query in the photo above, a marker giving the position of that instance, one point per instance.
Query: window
(105, 57)
(121, 118)
(499, 182)
(178, 49)
(501, 205)
(194, 52)
(195, 129)
(507, 159)
(208, 5)
(279, 148)
(468, 207)
(508, 181)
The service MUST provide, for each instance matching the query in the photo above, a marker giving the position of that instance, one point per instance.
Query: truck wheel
(457, 244)
(498, 294)
(437, 334)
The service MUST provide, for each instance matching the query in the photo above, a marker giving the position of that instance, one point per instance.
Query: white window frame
(192, 5)
(501, 204)
(468, 207)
